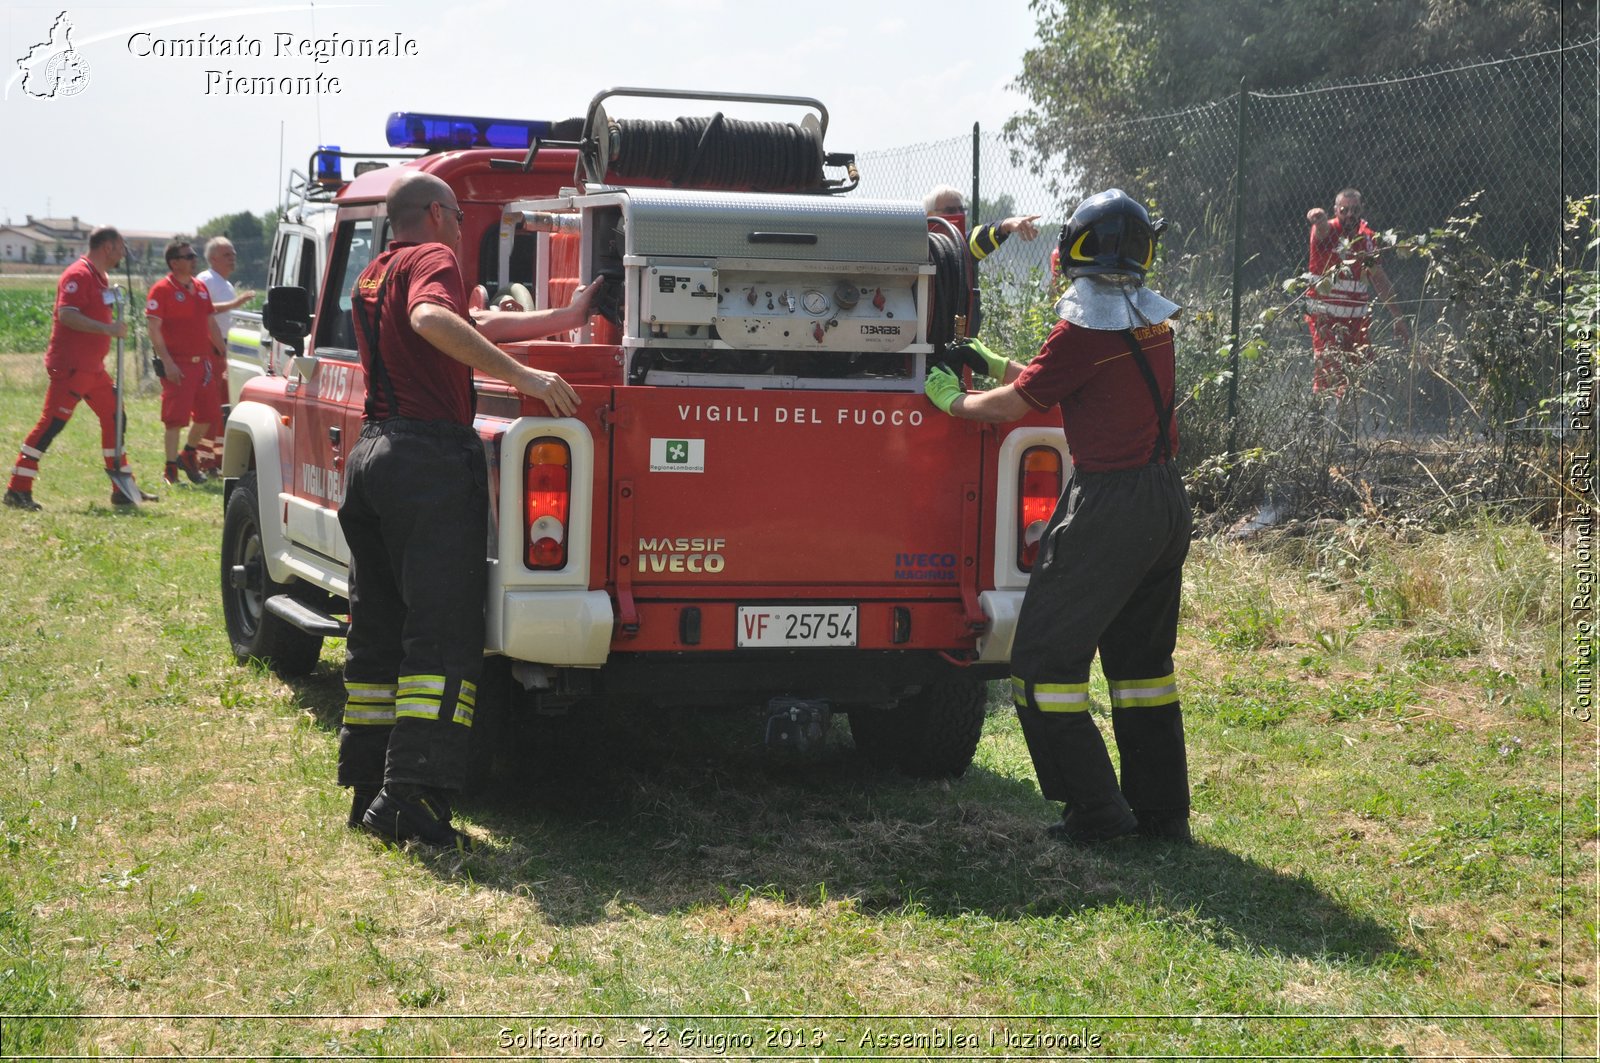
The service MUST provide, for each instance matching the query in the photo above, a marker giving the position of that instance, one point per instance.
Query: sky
(152, 141)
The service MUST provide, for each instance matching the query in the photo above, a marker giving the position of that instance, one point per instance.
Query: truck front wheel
(246, 586)
(931, 735)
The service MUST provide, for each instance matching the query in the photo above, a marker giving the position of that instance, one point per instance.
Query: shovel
(120, 476)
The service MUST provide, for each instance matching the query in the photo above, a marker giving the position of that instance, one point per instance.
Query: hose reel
(712, 152)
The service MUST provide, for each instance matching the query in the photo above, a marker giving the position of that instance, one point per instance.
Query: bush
(1469, 418)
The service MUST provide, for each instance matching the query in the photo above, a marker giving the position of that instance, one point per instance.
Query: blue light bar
(326, 163)
(440, 132)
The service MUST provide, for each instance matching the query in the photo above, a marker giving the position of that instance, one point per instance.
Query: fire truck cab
(755, 503)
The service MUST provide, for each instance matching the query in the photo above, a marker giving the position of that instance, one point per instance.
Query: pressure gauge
(814, 301)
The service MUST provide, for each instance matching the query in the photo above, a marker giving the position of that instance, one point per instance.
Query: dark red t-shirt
(1106, 406)
(428, 384)
(185, 316)
(87, 290)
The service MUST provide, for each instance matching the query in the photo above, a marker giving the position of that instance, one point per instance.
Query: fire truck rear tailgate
(792, 519)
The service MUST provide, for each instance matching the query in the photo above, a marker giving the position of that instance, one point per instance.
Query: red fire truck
(755, 503)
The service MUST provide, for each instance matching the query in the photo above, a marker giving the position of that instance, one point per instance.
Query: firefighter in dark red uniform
(1110, 566)
(415, 515)
(984, 240)
(75, 359)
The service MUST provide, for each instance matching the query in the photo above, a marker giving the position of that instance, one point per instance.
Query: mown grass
(1396, 828)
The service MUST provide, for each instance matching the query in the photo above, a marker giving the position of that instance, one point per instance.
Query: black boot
(1155, 769)
(403, 813)
(1073, 766)
(360, 800)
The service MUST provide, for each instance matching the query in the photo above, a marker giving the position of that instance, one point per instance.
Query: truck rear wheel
(252, 630)
(930, 735)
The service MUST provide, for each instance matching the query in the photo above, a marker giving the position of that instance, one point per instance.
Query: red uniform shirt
(428, 384)
(1348, 296)
(1106, 406)
(88, 291)
(185, 316)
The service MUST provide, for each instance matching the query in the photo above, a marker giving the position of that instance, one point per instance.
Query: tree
(252, 237)
(1103, 61)
(1104, 69)
(995, 208)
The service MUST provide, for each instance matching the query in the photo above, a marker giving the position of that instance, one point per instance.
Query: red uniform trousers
(68, 387)
(1340, 346)
(211, 446)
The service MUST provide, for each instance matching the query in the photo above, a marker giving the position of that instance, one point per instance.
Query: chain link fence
(1459, 415)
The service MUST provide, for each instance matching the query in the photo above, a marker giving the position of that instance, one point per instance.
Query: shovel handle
(122, 422)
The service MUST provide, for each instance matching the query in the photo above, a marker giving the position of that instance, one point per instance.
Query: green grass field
(25, 314)
(1396, 828)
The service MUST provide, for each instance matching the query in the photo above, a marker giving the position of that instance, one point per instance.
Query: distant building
(63, 240)
(18, 241)
(148, 245)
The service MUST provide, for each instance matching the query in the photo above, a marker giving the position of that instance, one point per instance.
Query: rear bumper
(841, 677)
(559, 627)
(1001, 607)
(576, 628)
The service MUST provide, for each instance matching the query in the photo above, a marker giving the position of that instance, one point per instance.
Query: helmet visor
(1113, 242)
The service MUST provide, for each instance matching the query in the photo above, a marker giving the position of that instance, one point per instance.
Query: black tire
(254, 632)
(877, 734)
(930, 735)
(490, 719)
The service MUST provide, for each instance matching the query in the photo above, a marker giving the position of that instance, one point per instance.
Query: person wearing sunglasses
(1344, 273)
(415, 515)
(186, 340)
(946, 201)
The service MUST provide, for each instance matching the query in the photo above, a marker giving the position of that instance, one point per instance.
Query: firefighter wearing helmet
(1110, 565)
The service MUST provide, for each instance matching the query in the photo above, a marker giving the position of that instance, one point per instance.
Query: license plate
(786, 625)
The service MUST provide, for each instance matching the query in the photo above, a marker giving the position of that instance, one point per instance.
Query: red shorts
(193, 397)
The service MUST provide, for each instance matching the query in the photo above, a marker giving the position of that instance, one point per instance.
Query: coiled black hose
(949, 290)
(717, 152)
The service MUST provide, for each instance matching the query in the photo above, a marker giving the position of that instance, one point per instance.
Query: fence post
(1238, 265)
(973, 202)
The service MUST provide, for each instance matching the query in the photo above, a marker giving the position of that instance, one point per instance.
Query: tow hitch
(796, 725)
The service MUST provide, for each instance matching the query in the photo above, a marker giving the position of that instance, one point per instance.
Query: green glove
(942, 388)
(997, 363)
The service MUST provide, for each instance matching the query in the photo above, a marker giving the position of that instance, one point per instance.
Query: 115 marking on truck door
(334, 381)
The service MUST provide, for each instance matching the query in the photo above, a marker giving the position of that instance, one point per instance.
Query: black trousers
(1109, 578)
(415, 515)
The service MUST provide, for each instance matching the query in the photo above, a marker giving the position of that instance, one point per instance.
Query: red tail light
(547, 495)
(1038, 489)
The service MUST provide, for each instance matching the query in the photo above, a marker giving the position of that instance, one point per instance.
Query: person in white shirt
(221, 258)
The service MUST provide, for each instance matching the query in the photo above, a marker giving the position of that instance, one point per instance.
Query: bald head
(410, 202)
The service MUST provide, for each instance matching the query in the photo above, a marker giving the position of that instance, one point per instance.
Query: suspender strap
(380, 374)
(1163, 450)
